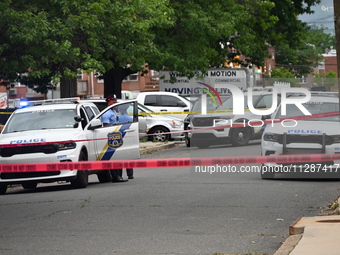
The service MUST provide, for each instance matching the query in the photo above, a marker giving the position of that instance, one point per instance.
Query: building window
(100, 77)
(154, 73)
(321, 65)
(132, 77)
(303, 79)
(80, 76)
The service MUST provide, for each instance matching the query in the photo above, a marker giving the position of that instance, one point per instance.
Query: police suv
(310, 136)
(64, 131)
(205, 129)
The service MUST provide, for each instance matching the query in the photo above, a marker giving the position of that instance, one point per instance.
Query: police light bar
(53, 101)
(23, 104)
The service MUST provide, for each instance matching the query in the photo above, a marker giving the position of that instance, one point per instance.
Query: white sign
(3, 100)
(184, 86)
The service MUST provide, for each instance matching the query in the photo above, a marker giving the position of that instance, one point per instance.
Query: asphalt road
(162, 211)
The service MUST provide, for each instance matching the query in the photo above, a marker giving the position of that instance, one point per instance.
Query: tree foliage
(322, 79)
(281, 74)
(52, 39)
(302, 60)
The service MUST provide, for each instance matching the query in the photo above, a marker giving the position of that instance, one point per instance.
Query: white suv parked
(165, 102)
(310, 136)
(66, 132)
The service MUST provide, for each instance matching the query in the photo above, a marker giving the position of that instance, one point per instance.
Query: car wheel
(82, 177)
(187, 140)
(29, 185)
(3, 189)
(104, 176)
(240, 136)
(158, 134)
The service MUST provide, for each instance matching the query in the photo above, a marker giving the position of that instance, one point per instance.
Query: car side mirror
(77, 118)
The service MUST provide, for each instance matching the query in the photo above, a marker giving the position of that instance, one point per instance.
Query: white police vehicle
(310, 136)
(64, 131)
(151, 126)
(205, 129)
(211, 105)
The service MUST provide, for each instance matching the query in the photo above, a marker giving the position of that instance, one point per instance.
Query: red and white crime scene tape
(158, 163)
(176, 162)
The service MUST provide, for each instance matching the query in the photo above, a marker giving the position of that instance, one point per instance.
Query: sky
(323, 16)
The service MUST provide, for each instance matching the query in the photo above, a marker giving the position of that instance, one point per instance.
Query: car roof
(53, 104)
(331, 98)
(46, 107)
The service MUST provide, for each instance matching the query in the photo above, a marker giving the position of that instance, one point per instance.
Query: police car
(64, 131)
(205, 129)
(310, 136)
(151, 126)
(211, 105)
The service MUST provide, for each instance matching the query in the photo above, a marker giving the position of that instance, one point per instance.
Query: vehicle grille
(307, 139)
(203, 121)
(27, 175)
(9, 152)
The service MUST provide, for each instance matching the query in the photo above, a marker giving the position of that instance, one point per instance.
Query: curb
(296, 229)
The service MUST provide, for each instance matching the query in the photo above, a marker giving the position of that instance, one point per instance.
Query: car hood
(38, 136)
(304, 127)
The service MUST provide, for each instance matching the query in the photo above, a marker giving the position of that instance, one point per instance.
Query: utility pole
(336, 4)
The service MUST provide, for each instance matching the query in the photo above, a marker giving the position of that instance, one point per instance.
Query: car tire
(104, 176)
(3, 189)
(82, 177)
(159, 135)
(187, 140)
(29, 185)
(240, 136)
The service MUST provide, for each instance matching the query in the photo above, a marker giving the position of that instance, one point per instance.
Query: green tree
(302, 61)
(55, 38)
(281, 75)
(322, 79)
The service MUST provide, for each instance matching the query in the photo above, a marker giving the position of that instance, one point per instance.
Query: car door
(119, 141)
(142, 120)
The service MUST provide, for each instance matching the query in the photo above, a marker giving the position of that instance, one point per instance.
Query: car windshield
(313, 107)
(212, 103)
(41, 119)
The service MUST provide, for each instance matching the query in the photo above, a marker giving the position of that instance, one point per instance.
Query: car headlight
(336, 138)
(272, 137)
(65, 146)
(176, 123)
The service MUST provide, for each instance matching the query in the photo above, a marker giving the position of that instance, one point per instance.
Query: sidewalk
(317, 235)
